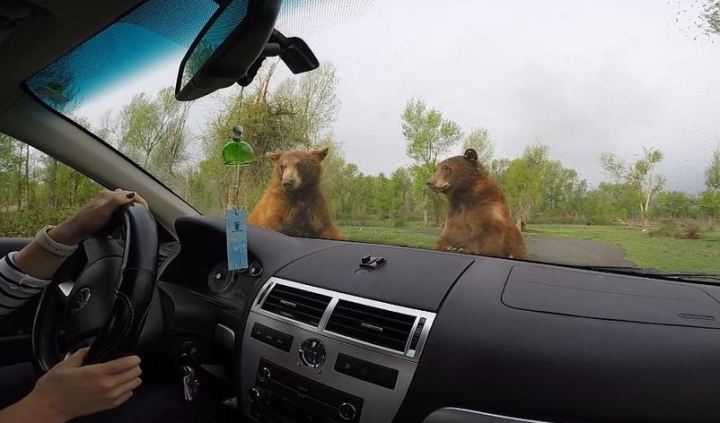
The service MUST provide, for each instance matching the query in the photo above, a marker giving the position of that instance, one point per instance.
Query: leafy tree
(711, 14)
(709, 203)
(609, 202)
(673, 204)
(639, 175)
(11, 164)
(311, 101)
(712, 173)
(538, 187)
(479, 140)
(151, 131)
(428, 137)
(400, 199)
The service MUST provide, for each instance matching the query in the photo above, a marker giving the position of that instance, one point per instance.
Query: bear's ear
(471, 155)
(319, 155)
(273, 156)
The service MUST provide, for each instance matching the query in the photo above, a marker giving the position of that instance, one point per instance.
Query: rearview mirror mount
(293, 51)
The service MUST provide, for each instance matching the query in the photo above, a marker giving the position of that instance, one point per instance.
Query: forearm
(28, 410)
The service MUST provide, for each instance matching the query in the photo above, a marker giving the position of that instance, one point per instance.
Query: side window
(36, 189)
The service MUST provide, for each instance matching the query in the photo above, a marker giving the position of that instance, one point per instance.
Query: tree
(479, 140)
(400, 198)
(711, 14)
(709, 203)
(673, 204)
(712, 173)
(639, 175)
(428, 136)
(312, 102)
(152, 132)
(11, 164)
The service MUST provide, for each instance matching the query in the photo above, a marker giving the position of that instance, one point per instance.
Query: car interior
(318, 330)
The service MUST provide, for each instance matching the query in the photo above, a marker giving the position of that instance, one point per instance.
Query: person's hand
(93, 216)
(70, 390)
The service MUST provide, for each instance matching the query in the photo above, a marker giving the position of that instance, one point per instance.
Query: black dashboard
(336, 331)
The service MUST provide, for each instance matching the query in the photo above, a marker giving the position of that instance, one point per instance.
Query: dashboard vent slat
(303, 306)
(370, 324)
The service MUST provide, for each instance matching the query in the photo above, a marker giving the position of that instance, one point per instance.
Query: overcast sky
(584, 77)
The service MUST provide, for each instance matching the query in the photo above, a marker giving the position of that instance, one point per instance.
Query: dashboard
(331, 331)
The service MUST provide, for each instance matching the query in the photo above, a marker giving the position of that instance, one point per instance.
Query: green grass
(667, 254)
(408, 237)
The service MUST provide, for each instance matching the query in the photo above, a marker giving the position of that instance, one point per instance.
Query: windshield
(581, 133)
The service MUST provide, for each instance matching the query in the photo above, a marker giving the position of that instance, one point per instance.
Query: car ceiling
(36, 32)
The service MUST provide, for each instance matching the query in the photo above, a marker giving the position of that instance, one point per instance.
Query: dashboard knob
(347, 411)
(264, 375)
(312, 353)
(255, 394)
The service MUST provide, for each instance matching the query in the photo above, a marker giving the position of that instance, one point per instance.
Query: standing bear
(293, 203)
(478, 219)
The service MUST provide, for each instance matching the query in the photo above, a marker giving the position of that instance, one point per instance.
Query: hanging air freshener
(236, 153)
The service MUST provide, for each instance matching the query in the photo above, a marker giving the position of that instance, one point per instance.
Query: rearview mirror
(226, 48)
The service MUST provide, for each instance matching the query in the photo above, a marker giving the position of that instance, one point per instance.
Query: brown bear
(293, 202)
(478, 219)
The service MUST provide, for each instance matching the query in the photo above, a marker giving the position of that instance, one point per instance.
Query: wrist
(64, 234)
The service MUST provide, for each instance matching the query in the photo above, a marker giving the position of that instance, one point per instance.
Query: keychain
(236, 153)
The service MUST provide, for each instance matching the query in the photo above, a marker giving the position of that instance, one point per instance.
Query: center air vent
(374, 325)
(296, 304)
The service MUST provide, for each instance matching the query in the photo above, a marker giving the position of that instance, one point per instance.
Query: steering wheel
(106, 304)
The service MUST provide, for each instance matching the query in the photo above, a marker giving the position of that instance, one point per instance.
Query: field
(667, 254)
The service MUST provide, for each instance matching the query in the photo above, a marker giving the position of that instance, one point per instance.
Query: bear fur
(478, 218)
(293, 203)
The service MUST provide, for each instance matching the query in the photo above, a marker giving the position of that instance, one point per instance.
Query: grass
(409, 237)
(667, 254)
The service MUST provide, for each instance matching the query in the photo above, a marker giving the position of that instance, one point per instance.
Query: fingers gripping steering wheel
(121, 280)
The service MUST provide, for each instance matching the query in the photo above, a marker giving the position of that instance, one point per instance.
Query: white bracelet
(44, 240)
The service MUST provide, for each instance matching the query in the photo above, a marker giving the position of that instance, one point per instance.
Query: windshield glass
(580, 133)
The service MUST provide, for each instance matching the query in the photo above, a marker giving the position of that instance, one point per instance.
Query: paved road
(574, 251)
(578, 252)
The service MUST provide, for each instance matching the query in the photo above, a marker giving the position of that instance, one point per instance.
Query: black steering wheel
(104, 302)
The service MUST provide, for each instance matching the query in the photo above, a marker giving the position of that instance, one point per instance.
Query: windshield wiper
(637, 271)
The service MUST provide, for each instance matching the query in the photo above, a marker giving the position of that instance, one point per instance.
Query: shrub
(666, 228)
(691, 230)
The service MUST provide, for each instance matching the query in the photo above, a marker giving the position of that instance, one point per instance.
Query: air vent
(296, 304)
(374, 325)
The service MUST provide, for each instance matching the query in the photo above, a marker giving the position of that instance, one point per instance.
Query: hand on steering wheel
(93, 216)
(111, 295)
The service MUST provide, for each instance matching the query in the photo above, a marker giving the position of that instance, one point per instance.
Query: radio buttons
(255, 394)
(264, 375)
(347, 411)
(312, 353)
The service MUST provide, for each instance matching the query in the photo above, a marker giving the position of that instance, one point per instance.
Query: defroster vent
(297, 304)
(370, 324)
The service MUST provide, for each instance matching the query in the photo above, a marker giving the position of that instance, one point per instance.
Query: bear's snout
(436, 186)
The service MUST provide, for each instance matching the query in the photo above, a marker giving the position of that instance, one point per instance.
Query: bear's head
(297, 170)
(457, 174)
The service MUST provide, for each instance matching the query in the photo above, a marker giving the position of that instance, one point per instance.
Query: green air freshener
(237, 152)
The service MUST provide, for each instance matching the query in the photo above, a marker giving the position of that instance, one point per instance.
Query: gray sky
(582, 76)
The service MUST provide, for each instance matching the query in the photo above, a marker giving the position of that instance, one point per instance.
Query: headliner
(45, 30)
